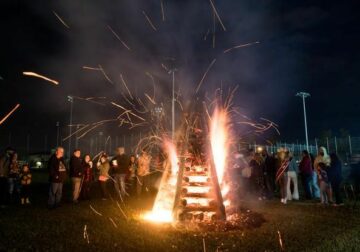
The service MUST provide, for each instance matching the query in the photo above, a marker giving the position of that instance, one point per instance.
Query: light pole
(304, 95)
(71, 100)
(57, 133)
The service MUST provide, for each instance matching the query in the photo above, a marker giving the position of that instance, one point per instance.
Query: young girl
(325, 187)
(103, 166)
(88, 177)
(25, 179)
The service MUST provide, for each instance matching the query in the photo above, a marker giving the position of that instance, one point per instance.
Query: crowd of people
(258, 174)
(262, 175)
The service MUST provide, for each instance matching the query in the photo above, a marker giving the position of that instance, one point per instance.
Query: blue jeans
(314, 186)
(307, 181)
(13, 185)
(55, 193)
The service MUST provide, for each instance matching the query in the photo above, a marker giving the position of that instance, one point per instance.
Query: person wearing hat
(103, 166)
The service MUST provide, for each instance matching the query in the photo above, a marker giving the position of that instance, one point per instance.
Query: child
(325, 188)
(25, 179)
(87, 178)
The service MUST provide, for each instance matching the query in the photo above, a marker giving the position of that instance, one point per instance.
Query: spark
(217, 15)
(86, 235)
(280, 241)
(150, 99)
(214, 31)
(121, 210)
(149, 21)
(127, 89)
(240, 46)
(95, 211)
(91, 68)
(207, 33)
(41, 77)
(113, 222)
(61, 20)
(127, 111)
(118, 37)
(9, 114)
(207, 70)
(105, 75)
(162, 10)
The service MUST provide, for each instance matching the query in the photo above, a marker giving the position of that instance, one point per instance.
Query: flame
(164, 203)
(219, 141)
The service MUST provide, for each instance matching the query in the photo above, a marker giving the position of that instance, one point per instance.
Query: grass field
(304, 226)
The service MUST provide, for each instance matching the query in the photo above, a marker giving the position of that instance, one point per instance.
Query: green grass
(304, 226)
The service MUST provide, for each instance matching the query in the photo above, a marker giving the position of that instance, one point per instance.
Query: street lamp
(71, 100)
(304, 95)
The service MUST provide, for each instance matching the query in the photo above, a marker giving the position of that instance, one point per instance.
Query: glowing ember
(41, 77)
(164, 202)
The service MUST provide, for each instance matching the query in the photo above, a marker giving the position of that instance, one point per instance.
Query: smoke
(267, 73)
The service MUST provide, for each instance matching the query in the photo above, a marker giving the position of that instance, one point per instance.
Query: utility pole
(304, 95)
(172, 71)
(71, 100)
(57, 133)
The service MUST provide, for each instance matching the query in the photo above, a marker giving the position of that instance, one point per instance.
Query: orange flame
(164, 203)
(219, 141)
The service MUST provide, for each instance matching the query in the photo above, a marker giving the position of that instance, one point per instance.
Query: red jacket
(305, 166)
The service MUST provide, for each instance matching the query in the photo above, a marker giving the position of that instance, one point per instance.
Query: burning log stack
(199, 194)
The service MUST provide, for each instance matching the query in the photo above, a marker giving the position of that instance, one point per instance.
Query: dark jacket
(4, 165)
(123, 164)
(57, 169)
(335, 172)
(270, 165)
(305, 166)
(256, 169)
(76, 168)
(88, 172)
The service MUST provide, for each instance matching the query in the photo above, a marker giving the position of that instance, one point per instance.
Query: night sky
(310, 46)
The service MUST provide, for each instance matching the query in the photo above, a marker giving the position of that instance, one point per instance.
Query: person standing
(87, 177)
(25, 179)
(57, 176)
(103, 166)
(76, 174)
(325, 187)
(281, 173)
(292, 178)
(4, 172)
(133, 173)
(306, 172)
(13, 177)
(120, 166)
(335, 177)
(324, 158)
(143, 171)
(257, 179)
(269, 174)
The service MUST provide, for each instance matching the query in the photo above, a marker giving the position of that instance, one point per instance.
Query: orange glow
(164, 203)
(219, 141)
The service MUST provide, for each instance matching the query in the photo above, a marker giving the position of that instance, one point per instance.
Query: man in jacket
(76, 174)
(57, 176)
(120, 166)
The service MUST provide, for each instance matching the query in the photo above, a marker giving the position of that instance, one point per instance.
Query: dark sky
(308, 46)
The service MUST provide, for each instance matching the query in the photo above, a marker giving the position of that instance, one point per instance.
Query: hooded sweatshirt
(322, 159)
